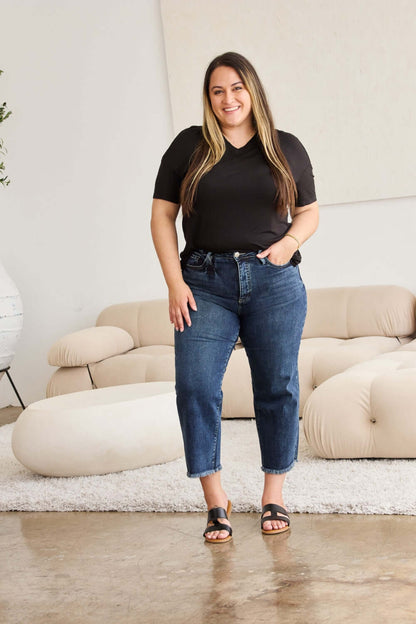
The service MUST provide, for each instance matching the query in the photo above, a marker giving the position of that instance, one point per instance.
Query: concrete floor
(86, 567)
(9, 414)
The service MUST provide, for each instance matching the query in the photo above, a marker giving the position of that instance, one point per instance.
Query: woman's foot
(213, 535)
(273, 524)
(273, 485)
(215, 497)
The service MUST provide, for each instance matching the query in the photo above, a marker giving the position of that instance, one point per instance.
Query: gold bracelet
(294, 237)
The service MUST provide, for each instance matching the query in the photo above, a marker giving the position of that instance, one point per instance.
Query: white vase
(11, 318)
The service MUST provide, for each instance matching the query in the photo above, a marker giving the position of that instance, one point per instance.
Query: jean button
(237, 254)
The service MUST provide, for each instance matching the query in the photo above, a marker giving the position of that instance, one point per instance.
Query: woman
(237, 179)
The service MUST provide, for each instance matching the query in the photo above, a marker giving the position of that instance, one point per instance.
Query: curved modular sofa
(133, 342)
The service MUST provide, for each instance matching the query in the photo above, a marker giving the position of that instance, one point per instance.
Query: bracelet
(294, 237)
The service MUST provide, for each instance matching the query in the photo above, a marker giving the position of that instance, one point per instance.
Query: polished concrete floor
(82, 567)
(99, 567)
(9, 414)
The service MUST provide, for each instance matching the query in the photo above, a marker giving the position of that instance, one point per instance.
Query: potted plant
(11, 309)
(4, 113)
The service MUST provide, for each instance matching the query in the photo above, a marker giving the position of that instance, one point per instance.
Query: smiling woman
(237, 179)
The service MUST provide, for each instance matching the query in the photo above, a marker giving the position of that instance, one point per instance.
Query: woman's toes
(220, 534)
(274, 525)
(217, 534)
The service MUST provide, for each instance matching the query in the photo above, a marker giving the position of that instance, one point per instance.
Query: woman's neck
(238, 136)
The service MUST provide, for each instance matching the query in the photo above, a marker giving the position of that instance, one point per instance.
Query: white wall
(86, 81)
(369, 242)
(91, 117)
(339, 75)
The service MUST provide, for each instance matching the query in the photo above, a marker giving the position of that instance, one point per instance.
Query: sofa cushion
(89, 345)
(68, 379)
(146, 321)
(144, 364)
(368, 410)
(360, 311)
(322, 358)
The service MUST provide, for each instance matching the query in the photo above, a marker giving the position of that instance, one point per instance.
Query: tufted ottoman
(100, 431)
(369, 410)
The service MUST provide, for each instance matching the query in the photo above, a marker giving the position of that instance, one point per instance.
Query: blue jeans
(238, 294)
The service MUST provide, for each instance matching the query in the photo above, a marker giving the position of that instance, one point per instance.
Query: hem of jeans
(193, 475)
(272, 471)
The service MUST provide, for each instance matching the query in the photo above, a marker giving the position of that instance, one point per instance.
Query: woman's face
(230, 100)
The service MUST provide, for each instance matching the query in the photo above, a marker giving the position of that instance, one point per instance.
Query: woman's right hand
(164, 235)
(180, 296)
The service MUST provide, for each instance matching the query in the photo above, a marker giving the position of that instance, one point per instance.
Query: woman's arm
(165, 240)
(304, 223)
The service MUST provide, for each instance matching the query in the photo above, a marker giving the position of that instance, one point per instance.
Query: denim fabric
(238, 294)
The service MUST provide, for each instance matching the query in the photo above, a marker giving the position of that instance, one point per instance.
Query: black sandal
(213, 515)
(277, 513)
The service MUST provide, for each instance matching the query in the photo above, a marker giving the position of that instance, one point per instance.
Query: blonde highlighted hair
(211, 148)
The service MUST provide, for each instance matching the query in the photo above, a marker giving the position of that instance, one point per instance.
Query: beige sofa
(133, 342)
(369, 410)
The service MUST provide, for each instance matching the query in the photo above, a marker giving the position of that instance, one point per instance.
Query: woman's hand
(281, 252)
(165, 238)
(180, 295)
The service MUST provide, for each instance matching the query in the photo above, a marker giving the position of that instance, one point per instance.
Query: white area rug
(314, 485)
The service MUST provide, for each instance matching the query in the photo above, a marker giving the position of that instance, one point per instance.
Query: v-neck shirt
(238, 149)
(234, 207)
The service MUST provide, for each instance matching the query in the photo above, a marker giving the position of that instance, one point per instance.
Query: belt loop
(210, 263)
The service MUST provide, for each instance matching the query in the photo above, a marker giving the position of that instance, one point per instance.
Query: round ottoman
(100, 431)
(367, 411)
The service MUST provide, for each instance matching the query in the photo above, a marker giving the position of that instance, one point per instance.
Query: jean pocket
(197, 261)
(278, 266)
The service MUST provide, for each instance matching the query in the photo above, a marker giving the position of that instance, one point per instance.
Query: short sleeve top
(235, 207)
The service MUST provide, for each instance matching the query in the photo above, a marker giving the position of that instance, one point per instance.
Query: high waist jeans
(238, 294)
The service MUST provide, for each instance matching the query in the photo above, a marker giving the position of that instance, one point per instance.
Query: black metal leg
(6, 370)
(94, 387)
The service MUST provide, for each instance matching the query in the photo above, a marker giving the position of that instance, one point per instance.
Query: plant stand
(6, 370)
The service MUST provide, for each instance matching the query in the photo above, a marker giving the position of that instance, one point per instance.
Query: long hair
(211, 148)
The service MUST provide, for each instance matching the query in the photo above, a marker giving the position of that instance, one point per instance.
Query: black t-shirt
(234, 207)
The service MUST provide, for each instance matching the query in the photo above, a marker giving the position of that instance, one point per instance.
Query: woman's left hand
(281, 252)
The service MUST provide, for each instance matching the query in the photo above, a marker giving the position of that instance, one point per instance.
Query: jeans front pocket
(277, 266)
(197, 261)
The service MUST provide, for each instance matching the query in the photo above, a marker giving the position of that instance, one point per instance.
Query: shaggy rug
(314, 485)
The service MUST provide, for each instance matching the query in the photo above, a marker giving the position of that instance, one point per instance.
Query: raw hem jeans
(238, 294)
